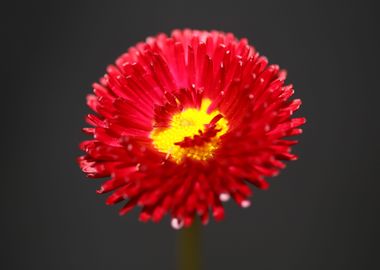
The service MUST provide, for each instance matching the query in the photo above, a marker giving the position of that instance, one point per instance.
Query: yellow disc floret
(187, 124)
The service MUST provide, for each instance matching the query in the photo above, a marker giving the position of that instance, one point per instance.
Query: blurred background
(322, 212)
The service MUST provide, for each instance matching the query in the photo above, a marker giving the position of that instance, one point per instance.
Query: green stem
(189, 248)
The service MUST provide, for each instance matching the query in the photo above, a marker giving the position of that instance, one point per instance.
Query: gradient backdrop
(322, 212)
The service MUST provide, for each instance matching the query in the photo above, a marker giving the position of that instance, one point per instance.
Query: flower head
(185, 122)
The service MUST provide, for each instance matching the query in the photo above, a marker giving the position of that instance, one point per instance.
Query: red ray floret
(164, 77)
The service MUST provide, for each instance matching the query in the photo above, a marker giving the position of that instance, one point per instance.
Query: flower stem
(189, 248)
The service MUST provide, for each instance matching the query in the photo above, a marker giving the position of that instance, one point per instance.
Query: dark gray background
(320, 213)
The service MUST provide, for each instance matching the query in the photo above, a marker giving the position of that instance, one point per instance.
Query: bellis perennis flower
(185, 122)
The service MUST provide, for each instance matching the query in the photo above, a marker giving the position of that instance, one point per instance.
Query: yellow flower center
(189, 123)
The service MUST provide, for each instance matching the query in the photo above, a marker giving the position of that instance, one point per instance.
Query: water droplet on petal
(177, 223)
(224, 197)
(245, 204)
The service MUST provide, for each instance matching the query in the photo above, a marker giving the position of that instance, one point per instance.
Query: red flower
(185, 122)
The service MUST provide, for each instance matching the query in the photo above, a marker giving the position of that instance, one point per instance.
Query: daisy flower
(185, 122)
